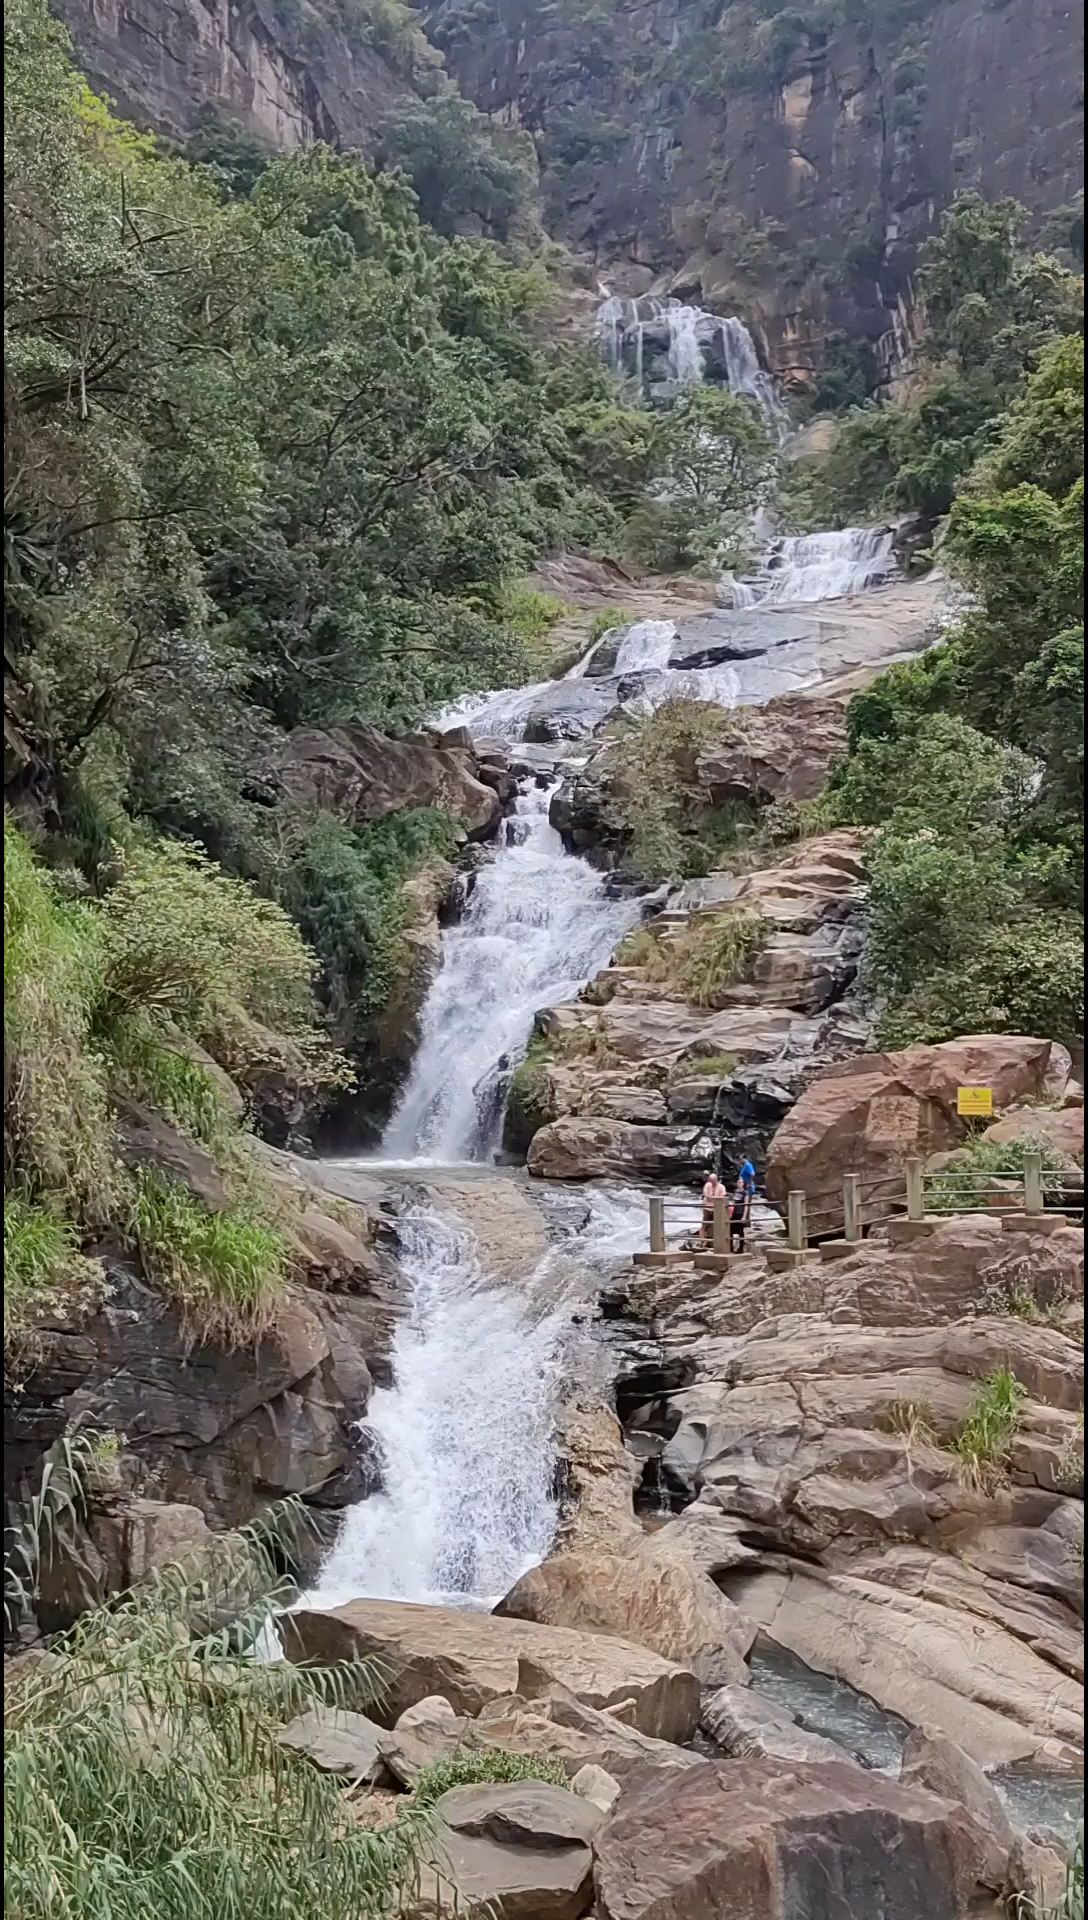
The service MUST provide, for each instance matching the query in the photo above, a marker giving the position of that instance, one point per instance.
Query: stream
(466, 1434)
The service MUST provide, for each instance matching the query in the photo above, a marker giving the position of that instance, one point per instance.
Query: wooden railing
(849, 1211)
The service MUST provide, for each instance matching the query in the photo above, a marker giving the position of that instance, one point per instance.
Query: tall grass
(144, 1779)
(226, 1272)
(714, 955)
(984, 1441)
(41, 1255)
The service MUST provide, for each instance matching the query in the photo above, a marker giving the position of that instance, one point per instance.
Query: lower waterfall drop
(538, 924)
(464, 1436)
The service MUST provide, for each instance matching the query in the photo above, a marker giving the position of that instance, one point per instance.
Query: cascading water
(464, 1435)
(819, 566)
(646, 647)
(667, 345)
(538, 924)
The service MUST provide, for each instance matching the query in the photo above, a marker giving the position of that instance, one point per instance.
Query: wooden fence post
(721, 1226)
(796, 1225)
(916, 1190)
(851, 1207)
(1033, 1183)
(657, 1225)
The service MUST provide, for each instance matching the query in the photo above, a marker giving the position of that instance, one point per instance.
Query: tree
(467, 176)
(714, 465)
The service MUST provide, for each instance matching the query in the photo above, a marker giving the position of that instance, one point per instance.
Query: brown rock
(511, 1852)
(604, 1149)
(779, 752)
(933, 1664)
(760, 1838)
(472, 1658)
(938, 1765)
(336, 1742)
(667, 1605)
(870, 1114)
(359, 774)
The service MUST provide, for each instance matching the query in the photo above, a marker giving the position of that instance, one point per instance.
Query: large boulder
(511, 1852)
(359, 774)
(471, 1658)
(938, 1765)
(666, 1604)
(771, 1841)
(613, 1149)
(778, 752)
(870, 1114)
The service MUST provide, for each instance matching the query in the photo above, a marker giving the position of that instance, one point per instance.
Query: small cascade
(819, 566)
(538, 924)
(646, 647)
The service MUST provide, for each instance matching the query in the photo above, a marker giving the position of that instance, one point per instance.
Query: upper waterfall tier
(666, 347)
(817, 566)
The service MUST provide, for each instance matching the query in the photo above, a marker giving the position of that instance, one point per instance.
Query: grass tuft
(226, 1272)
(714, 955)
(914, 1420)
(483, 1767)
(984, 1441)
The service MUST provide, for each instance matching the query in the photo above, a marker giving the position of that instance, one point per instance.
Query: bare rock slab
(471, 1659)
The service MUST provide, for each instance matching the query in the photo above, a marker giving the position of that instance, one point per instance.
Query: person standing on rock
(712, 1190)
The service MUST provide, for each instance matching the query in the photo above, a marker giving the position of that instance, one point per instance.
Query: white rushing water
(538, 924)
(689, 341)
(819, 566)
(464, 1436)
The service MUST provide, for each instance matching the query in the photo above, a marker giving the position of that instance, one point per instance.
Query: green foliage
(994, 315)
(964, 1182)
(715, 463)
(985, 1439)
(144, 1778)
(235, 157)
(188, 944)
(345, 889)
(713, 954)
(41, 1258)
(56, 1113)
(913, 1420)
(659, 803)
(226, 1272)
(463, 168)
(485, 1766)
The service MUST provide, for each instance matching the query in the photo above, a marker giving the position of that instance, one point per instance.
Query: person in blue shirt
(747, 1177)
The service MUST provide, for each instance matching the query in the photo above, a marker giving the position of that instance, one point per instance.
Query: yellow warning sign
(975, 1103)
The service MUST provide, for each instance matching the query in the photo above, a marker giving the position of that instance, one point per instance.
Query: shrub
(963, 1183)
(913, 1420)
(721, 1065)
(484, 1766)
(659, 801)
(144, 1778)
(148, 1067)
(226, 1272)
(528, 1104)
(187, 943)
(713, 955)
(986, 1436)
(608, 620)
(57, 1130)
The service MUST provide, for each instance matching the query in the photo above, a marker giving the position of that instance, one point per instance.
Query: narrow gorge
(543, 570)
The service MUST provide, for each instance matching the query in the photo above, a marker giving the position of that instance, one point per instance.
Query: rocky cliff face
(782, 165)
(285, 70)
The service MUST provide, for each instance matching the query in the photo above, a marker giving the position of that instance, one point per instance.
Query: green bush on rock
(485, 1766)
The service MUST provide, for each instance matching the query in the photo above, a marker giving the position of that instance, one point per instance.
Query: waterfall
(685, 345)
(538, 924)
(465, 1436)
(819, 566)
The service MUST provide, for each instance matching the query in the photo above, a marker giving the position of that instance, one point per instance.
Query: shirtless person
(713, 1190)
